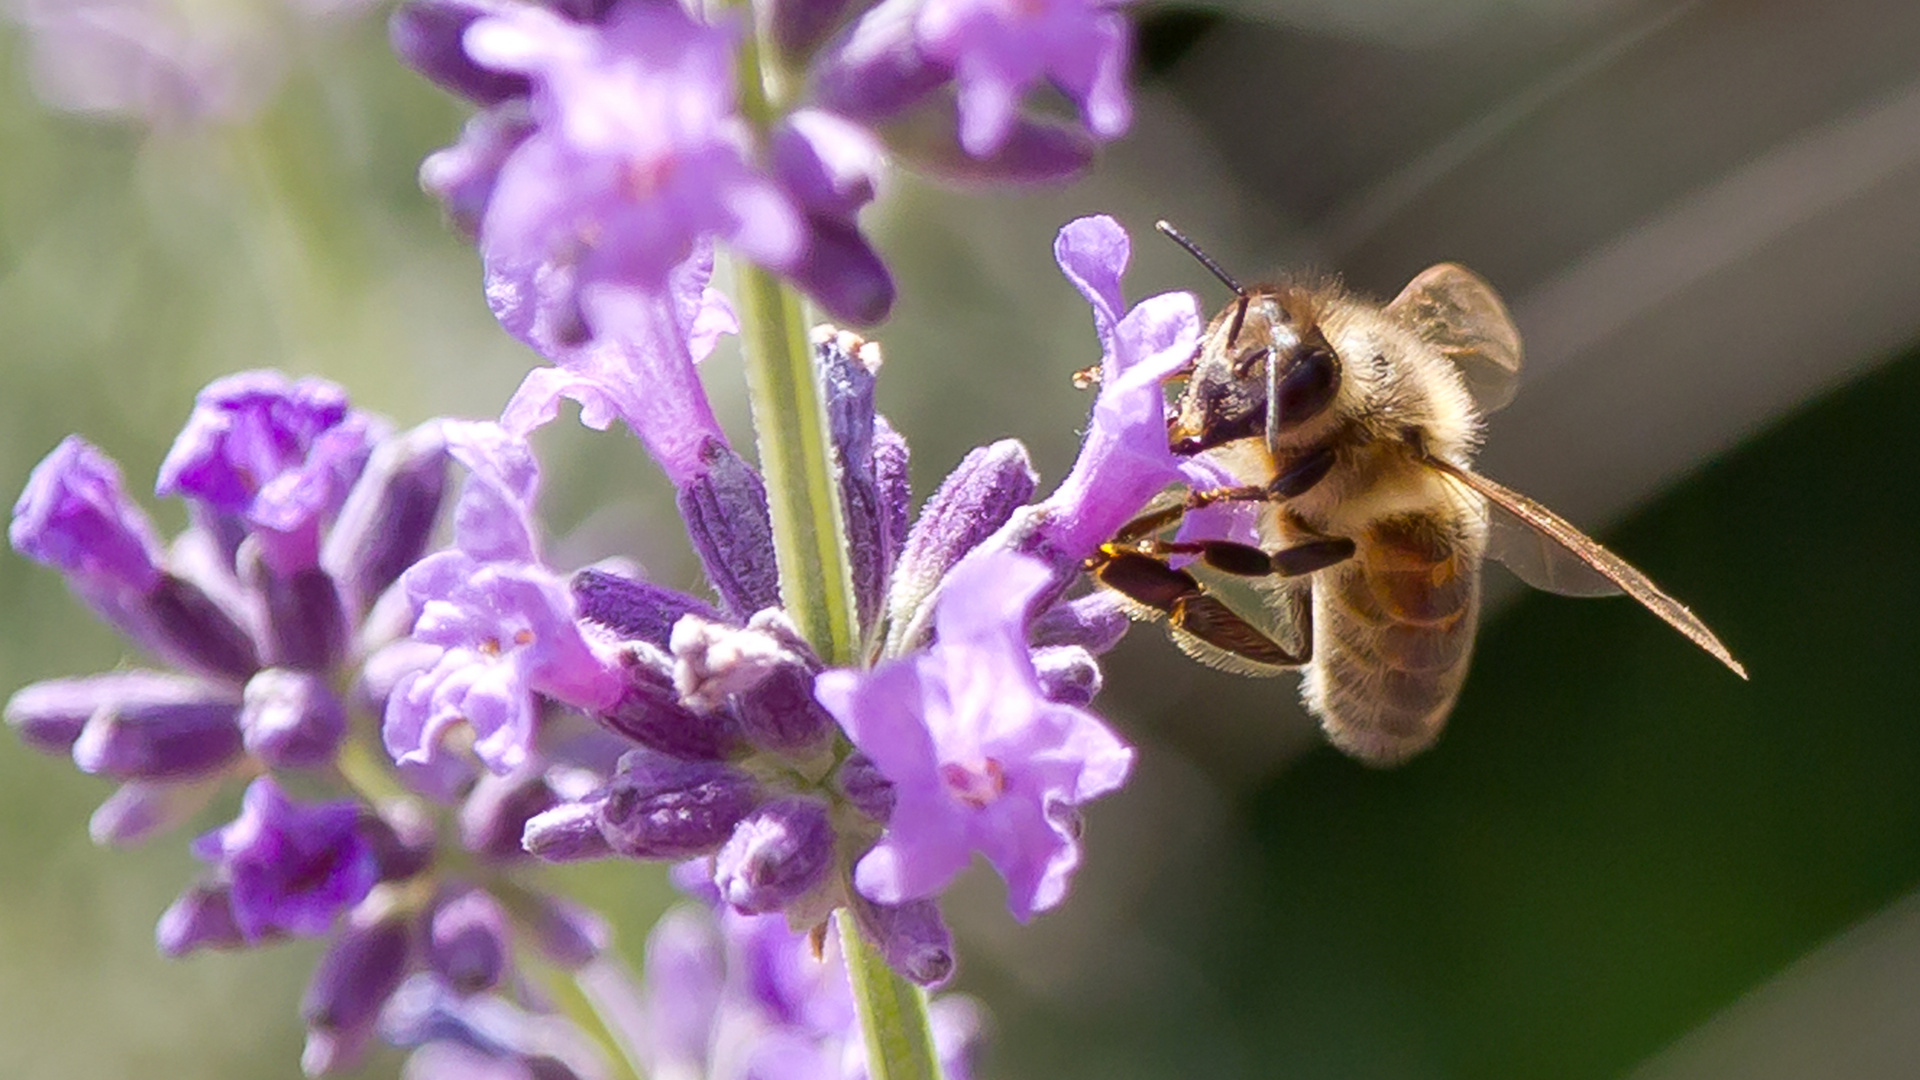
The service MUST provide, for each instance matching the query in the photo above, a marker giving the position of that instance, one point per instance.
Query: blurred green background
(1620, 861)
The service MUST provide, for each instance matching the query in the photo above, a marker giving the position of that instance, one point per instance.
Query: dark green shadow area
(1616, 838)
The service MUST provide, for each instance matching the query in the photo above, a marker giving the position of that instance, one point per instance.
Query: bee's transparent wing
(1551, 527)
(1456, 311)
(1538, 561)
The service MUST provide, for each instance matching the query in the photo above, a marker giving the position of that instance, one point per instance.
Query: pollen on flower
(978, 784)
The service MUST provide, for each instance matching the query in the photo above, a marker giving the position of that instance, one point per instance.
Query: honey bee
(1353, 424)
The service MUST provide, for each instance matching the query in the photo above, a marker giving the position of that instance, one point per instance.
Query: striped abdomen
(1393, 627)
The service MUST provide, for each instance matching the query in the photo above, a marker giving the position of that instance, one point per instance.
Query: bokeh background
(1619, 862)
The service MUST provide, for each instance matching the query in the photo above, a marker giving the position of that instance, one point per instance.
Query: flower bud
(306, 626)
(657, 807)
(564, 932)
(467, 942)
(201, 918)
(495, 814)
(388, 518)
(569, 832)
(866, 787)
(1096, 622)
(633, 609)
(463, 176)
(164, 731)
(181, 622)
(1035, 151)
(357, 974)
(140, 810)
(764, 672)
(975, 499)
(649, 711)
(725, 508)
(75, 516)
(776, 854)
(912, 937)
(427, 36)
(292, 719)
(1068, 674)
(845, 366)
(878, 70)
(50, 715)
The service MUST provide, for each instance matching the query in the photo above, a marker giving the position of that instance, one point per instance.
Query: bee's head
(1268, 338)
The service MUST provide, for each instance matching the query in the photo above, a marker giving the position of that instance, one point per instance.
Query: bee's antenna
(1240, 309)
(1206, 260)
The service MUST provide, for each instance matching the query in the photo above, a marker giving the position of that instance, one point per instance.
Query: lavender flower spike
(979, 758)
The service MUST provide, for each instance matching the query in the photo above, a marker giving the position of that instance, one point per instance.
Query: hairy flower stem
(816, 577)
(893, 1012)
(817, 589)
(816, 585)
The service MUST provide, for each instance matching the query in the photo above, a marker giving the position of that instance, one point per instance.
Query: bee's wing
(1539, 561)
(1551, 526)
(1456, 311)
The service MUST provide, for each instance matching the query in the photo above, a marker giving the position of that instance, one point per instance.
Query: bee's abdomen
(1393, 627)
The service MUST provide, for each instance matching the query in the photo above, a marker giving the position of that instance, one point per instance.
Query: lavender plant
(867, 699)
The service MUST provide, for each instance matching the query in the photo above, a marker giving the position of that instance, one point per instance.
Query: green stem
(816, 585)
(816, 582)
(893, 1012)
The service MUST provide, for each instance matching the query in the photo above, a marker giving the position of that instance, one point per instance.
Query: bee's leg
(1245, 560)
(1296, 479)
(1191, 610)
(1144, 526)
(1301, 474)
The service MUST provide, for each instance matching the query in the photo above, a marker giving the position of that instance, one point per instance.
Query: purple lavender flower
(1125, 459)
(639, 370)
(980, 760)
(508, 633)
(278, 454)
(289, 867)
(746, 996)
(638, 152)
(999, 50)
(287, 471)
(75, 516)
(147, 59)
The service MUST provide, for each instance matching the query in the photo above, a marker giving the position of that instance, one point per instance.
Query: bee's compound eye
(1250, 360)
(1311, 380)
